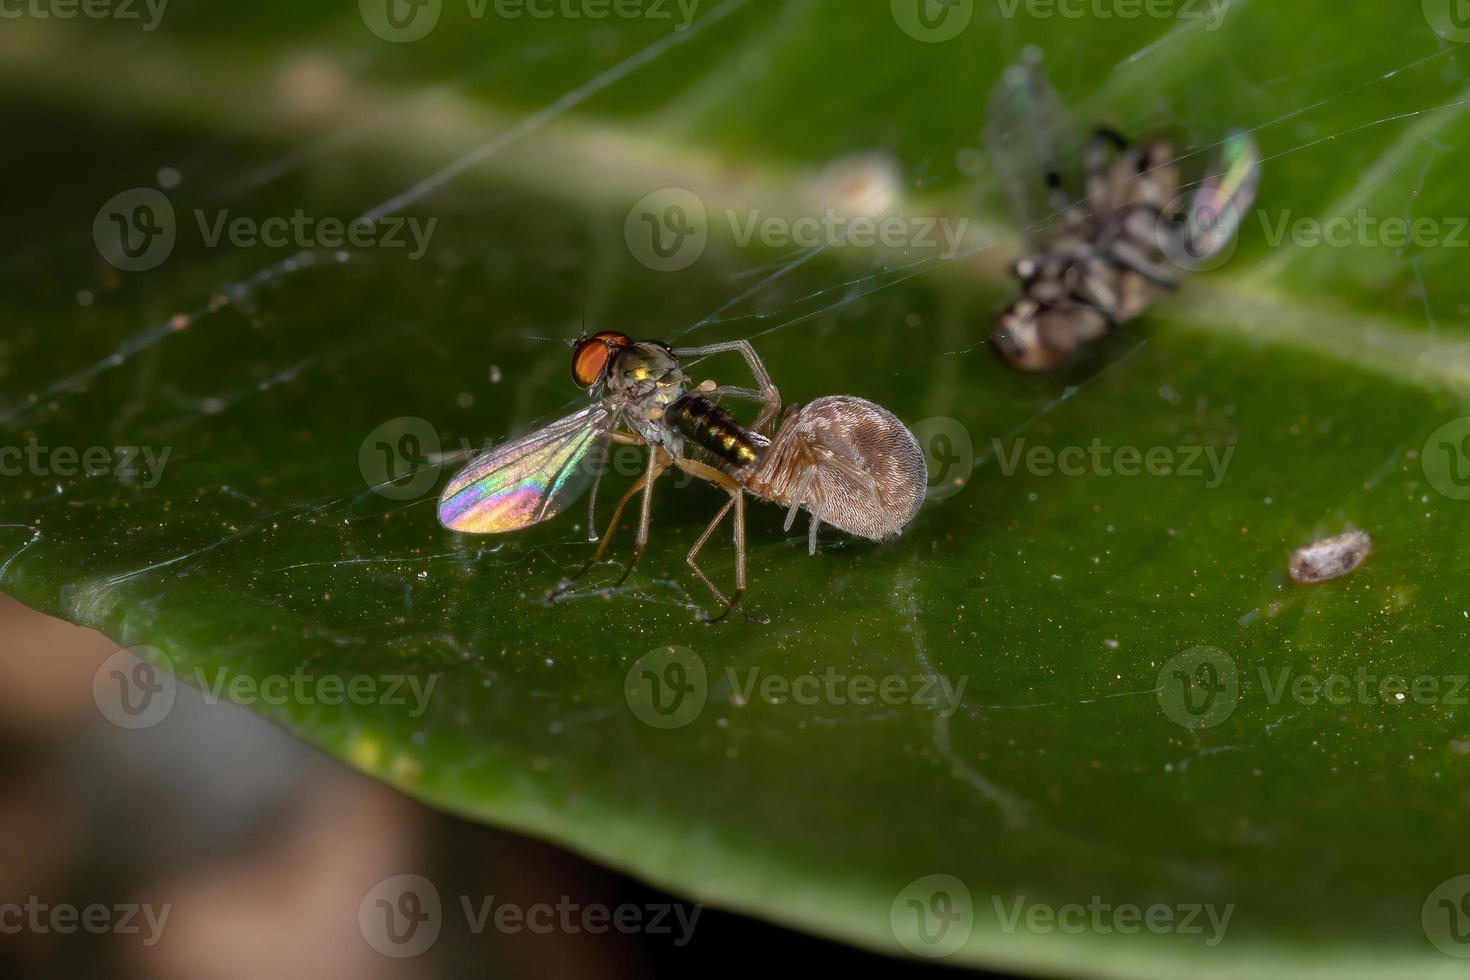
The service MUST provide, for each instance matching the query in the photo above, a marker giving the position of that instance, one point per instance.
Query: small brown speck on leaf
(1330, 558)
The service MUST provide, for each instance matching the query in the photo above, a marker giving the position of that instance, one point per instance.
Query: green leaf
(1033, 740)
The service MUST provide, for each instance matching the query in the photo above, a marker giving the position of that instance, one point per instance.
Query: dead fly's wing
(530, 479)
(1023, 123)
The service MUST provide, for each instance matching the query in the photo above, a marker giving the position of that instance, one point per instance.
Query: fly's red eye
(590, 358)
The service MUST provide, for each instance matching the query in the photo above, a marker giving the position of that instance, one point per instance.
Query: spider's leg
(770, 397)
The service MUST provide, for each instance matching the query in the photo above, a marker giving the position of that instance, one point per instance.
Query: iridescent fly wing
(1022, 126)
(530, 479)
(1224, 196)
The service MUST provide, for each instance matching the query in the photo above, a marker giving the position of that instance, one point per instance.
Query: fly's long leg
(655, 470)
(592, 505)
(622, 439)
(656, 467)
(736, 503)
(770, 397)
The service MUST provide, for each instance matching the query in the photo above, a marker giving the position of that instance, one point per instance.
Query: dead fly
(1124, 245)
(845, 461)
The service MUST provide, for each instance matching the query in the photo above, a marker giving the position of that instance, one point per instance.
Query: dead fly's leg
(1096, 159)
(1130, 256)
(737, 503)
(770, 398)
(657, 464)
(1057, 199)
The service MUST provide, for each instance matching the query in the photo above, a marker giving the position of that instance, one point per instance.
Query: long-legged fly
(1125, 245)
(845, 461)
